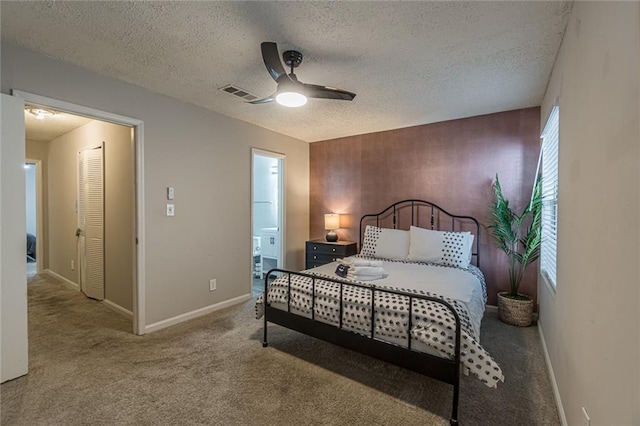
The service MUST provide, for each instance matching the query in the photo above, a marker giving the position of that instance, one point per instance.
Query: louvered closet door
(91, 222)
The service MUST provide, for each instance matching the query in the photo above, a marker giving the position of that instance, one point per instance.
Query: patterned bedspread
(432, 323)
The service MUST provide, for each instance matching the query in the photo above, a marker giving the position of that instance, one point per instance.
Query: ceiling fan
(291, 92)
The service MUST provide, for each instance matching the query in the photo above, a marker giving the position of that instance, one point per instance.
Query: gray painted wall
(119, 206)
(207, 158)
(591, 323)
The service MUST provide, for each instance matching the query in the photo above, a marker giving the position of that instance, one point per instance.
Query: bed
(31, 248)
(412, 296)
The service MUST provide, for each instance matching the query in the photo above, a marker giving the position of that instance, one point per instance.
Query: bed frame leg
(264, 338)
(264, 328)
(454, 409)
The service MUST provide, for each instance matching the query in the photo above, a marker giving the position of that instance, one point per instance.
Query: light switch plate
(171, 210)
(170, 193)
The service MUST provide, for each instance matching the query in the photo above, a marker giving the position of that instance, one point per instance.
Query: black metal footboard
(445, 370)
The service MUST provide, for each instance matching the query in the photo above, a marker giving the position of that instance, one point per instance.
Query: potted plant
(519, 237)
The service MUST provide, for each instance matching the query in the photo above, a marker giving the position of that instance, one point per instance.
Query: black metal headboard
(424, 214)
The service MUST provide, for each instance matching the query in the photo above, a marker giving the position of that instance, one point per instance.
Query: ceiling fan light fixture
(291, 92)
(291, 99)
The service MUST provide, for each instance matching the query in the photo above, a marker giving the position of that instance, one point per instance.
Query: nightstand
(319, 252)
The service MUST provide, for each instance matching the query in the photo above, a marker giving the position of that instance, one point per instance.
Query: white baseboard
(552, 376)
(195, 314)
(108, 303)
(494, 310)
(67, 282)
(119, 309)
(491, 308)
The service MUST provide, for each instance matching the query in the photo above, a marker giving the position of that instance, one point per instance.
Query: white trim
(544, 277)
(108, 303)
(281, 205)
(266, 153)
(44, 101)
(491, 308)
(196, 313)
(282, 211)
(67, 282)
(139, 283)
(117, 308)
(552, 376)
(139, 279)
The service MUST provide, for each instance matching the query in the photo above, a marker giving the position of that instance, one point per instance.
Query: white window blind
(550, 196)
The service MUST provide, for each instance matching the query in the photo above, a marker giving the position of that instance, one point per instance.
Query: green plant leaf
(508, 231)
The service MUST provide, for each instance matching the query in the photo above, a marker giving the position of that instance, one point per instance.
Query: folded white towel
(366, 277)
(365, 262)
(357, 261)
(366, 270)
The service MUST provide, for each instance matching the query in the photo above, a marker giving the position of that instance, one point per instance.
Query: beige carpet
(86, 368)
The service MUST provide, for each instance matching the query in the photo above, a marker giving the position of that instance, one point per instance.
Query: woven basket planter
(515, 312)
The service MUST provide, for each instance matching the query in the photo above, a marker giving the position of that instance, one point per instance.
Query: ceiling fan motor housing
(292, 58)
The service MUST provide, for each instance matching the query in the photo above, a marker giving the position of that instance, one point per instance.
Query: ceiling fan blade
(271, 59)
(326, 92)
(269, 98)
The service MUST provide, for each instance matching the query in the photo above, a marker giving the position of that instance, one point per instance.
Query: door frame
(139, 273)
(282, 202)
(39, 214)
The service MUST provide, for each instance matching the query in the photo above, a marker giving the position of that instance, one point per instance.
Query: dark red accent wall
(451, 164)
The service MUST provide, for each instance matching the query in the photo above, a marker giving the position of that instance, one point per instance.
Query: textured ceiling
(410, 63)
(51, 127)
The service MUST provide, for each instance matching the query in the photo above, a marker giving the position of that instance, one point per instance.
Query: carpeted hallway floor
(86, 368)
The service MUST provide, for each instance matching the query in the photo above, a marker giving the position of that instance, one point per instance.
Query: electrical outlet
(586, 420)
(212, 284)
(171, 210)
(73, 265)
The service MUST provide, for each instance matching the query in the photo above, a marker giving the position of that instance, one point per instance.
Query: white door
(91, 222)
(13, 262)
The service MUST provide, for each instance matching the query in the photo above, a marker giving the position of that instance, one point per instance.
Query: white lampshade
(331, 221)
(291, 99)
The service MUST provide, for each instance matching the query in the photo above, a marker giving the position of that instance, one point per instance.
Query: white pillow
(370, 241)
(385, 243)
(470, 243)
(442, 248)
(393, 244)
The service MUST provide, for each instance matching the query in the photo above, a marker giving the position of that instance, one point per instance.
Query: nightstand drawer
(327, 248)
(320, 252)
(322, 257)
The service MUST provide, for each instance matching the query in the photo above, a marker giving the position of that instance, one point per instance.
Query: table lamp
(331, 223)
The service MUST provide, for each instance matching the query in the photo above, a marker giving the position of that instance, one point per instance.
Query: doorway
(267, 201)
(135, 130)
(33, 208)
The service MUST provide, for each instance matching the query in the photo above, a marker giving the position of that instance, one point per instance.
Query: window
(550, 196)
